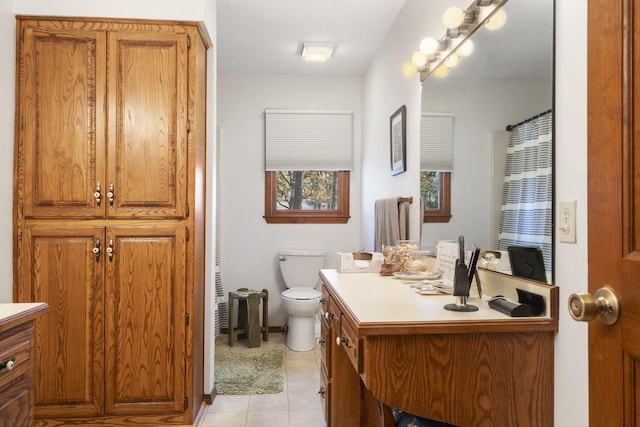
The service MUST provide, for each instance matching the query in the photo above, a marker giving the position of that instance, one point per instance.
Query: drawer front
(325, 395)
(16, 404)
(333, 316)
(324, 301)
(349, 340)
(325, 344)
(15, 357)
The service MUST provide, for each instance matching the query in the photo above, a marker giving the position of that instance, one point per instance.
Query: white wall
(385, 88)
(248, 245)
(7, 77)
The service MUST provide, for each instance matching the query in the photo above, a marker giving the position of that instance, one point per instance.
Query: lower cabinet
(342, 390)
(114, 340)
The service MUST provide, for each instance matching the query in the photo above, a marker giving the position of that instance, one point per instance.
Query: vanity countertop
(12, 314)
(375, 299)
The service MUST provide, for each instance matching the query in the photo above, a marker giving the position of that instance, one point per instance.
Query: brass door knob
(604, 305)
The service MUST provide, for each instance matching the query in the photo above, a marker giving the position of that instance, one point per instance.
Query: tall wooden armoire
(109, 215)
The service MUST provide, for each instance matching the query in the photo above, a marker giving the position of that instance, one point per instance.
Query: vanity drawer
(325, 395)
(324, 301)
(351, 343)
(325, 344)
(15, 356)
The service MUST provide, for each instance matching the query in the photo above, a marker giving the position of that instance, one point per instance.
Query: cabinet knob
(96, 249)
(8, 365)
(321, 392)
(110, 249)
(329, 316)
(111, 194)
(322, 341)
(98, 194)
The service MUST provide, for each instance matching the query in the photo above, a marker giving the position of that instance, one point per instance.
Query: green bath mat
(249, 371)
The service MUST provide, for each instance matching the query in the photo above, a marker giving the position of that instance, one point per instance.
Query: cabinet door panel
(146, 320)
(57, 266)
(61, 138)
(148, 124)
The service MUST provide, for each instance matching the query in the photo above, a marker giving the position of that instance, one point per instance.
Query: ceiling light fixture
(317, 51)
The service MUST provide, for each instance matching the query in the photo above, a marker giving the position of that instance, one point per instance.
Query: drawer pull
(343, 340)
(8, 365)
(322, 392)
(329, 316)
(322, 341)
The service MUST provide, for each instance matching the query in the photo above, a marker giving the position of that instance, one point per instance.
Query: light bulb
(441, 71)
(419, 59)
(453, 17)
(429, 46)
(409, 69)
(465, 48)
(496, 21)
(451, 61)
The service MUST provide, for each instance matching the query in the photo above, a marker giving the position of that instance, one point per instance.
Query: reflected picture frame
(398, 140)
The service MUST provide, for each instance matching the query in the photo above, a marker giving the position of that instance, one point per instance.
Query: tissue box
(360, 262)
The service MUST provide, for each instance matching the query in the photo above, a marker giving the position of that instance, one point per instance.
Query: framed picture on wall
(398, 140)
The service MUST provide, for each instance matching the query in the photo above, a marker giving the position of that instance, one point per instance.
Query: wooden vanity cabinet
(108, 215)
(17, 363)
(393, 348)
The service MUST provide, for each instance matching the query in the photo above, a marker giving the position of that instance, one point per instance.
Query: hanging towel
(391, 222)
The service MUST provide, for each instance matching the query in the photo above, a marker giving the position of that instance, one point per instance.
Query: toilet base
(301, 333)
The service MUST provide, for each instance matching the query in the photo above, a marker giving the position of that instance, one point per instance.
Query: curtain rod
(510, 127)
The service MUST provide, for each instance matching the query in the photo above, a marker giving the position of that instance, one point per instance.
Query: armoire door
(145, 320)
(60, 126)
(58, 266)
(147, 143)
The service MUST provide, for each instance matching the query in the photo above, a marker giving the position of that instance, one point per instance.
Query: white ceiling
(265, 36)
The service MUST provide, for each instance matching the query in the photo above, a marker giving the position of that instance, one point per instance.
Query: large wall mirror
(507, 80)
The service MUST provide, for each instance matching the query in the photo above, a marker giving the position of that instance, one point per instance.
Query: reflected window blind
(436, 142)
(308, 140)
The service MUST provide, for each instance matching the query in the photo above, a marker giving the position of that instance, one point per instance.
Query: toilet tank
(300, 268)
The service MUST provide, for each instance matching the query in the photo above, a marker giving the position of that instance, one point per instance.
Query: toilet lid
(301, 293)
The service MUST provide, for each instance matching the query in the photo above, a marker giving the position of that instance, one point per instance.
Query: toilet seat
(301, 294)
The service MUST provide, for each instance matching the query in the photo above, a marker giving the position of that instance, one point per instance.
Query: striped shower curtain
(526, 217)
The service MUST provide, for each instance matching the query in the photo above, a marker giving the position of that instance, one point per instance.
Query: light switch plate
(567, 221)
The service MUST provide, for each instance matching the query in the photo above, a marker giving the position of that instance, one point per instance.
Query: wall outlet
(567, 221)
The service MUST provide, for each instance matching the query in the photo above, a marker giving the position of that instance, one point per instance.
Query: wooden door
(614, 207)
(58, 266)
(147, 124)
(146, 320)
(60, 133)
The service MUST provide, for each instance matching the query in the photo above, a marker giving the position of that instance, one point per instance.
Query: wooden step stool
(248, 317)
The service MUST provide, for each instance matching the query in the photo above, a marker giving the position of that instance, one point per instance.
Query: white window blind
(308, 140)
(436, 142)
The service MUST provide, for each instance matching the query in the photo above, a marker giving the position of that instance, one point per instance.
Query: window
(308, 158)
(436, 164)
(435, 188)
(307, 196)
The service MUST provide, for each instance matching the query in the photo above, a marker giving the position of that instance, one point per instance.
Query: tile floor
(298, 405)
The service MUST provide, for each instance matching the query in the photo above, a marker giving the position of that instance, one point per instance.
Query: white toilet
(301, 301)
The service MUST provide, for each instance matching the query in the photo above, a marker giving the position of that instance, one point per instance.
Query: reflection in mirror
(506, 82)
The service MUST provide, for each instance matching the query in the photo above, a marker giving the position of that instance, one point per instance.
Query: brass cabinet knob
(604, 305)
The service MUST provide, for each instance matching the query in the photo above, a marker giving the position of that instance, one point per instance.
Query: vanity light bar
(475, 16)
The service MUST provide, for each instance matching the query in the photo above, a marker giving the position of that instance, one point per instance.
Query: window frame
(297, 216)
(444, 213)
